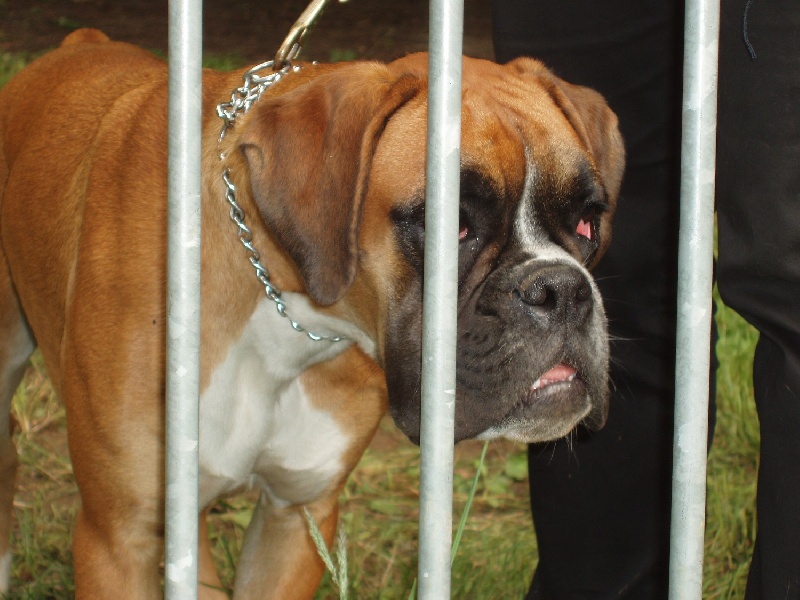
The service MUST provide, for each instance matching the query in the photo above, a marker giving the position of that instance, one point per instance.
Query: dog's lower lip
(550, 393)
(561, 373)
(558, 377)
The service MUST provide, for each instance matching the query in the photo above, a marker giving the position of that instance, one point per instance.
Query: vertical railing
(439, 297)
(183, 298)
(698, 153)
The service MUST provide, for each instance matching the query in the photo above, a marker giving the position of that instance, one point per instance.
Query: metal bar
(439, 297)
(695, 258)
(183, 298)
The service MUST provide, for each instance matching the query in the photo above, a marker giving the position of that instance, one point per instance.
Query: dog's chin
(549, 409)
(544, 414)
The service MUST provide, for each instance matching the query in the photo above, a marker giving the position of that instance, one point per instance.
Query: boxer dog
(329, 171)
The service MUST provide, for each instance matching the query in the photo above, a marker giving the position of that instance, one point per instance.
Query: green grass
(10, 63)
(46, 500)
(733, 463)
(380, 502)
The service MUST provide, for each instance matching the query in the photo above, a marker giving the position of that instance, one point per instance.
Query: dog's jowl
(328, 168)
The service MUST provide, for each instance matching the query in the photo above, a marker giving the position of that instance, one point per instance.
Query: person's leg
(758, 206)
(601, 504)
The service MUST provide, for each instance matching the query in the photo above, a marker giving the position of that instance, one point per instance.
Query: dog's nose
(556, 292)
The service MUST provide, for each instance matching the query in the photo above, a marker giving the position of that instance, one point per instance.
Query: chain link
(250, 91)
(242, 99)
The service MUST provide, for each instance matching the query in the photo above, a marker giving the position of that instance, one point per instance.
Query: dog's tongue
(560, 372)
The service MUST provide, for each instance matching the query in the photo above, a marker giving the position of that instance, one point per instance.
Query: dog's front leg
(279, 559)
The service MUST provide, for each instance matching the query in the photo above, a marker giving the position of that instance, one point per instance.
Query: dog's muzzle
(532, 357)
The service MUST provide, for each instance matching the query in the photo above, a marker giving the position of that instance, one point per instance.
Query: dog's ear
(590, 117)
(309, 153)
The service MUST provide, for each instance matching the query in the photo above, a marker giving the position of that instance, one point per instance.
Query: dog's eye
(464, 227)
(585, 228)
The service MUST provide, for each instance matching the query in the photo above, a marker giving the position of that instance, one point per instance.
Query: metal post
(439, 297)
(183, 298)
(695, 258)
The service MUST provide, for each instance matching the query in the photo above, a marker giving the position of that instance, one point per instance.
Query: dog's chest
(258, 426)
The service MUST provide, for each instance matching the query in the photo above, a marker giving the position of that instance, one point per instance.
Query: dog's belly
(258, 426)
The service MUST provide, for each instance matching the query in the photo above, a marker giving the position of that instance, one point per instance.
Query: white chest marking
(258, 427)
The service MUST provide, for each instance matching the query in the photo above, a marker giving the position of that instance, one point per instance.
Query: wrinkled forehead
(514, 139)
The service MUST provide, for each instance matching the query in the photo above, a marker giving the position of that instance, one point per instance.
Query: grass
(733, 463)
(46, 500)
(380, 502)
(10, 63)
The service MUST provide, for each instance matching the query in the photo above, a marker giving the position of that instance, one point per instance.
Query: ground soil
(249, 29)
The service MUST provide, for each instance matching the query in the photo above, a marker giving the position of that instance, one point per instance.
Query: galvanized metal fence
(183, 298)
(695, 266)
(694, 301)
(443, 173)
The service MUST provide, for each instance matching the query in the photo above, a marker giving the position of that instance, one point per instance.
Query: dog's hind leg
(16, 346)
(114, 397)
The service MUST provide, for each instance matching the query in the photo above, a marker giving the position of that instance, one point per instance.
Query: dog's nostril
(536, 294)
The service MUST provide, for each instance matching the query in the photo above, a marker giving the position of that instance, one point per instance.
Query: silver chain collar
(242, 99)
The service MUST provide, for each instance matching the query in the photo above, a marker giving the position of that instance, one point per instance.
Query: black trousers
(601, 508)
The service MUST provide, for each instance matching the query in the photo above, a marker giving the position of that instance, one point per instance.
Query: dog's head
(337, 170)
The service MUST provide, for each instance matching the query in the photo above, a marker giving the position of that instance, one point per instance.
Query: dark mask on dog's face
(536, 201)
